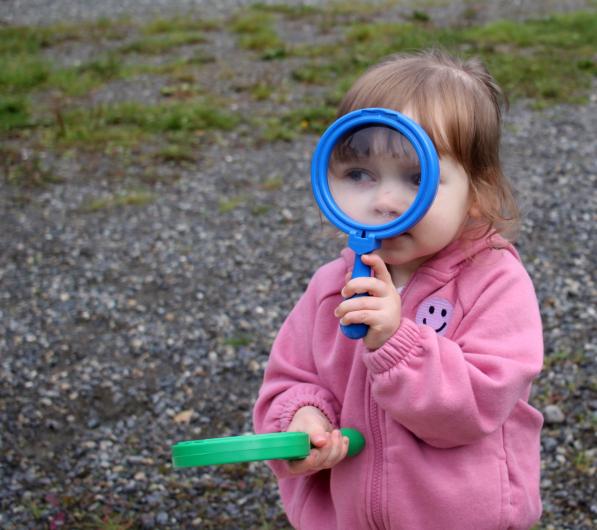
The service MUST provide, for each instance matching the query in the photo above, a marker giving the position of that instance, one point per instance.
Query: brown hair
(458, 103)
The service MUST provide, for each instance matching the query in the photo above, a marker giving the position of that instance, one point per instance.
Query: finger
(310, 463)
(359, 303)
(319, 438)
(372, 286)
(364, 316)
(380, 269)
(334, 454)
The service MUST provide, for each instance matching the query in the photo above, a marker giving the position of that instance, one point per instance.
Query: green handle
(356, 441)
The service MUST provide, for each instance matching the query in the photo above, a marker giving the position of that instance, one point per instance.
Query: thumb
(380, 270)
(319, 437)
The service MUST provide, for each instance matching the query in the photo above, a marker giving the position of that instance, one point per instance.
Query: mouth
(436, 330)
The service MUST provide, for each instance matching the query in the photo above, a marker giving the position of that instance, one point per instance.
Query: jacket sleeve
(291, 380)
(452, 392)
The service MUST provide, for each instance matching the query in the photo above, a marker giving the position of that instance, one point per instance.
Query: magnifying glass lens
(374, 174)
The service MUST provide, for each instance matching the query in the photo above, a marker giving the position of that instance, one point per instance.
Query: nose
(391, 201)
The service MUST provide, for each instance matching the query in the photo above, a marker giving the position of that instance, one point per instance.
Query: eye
(359, 176)
(415, 179)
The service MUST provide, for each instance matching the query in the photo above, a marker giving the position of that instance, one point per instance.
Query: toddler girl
(440, 384)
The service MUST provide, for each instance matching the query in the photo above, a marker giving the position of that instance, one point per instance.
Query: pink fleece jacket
(451, 440)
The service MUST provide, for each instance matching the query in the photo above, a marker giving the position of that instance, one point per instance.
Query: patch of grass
(260, 209)
(23, 68)
(227, 205)
(176, 153)
(125, 198)
(420, 16)
(273, 183)
(18, 40)
(183, 90)
(128, 123)
(162, 42)
(550, 60)
(187, 116)
(273, 129)
(22, 72)
(585, 461)
(25, 169)
(292, 12)
(256, 31)
(82, 79)
(262, 91)
(14, 113)
(571, 31)
(178, 24)
(339, 8)
(238, 341)
(287, 127)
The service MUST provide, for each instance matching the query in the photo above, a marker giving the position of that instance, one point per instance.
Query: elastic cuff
(406, 341)
(306, 400)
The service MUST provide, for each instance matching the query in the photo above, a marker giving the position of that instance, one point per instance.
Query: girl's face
(379, 187)
(442, 224)
(374, 190)
(374, 175)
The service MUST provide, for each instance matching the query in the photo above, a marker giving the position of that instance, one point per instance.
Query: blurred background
(157, 227)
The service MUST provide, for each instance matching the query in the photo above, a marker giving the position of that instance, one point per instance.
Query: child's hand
(381, 311)
(330, 447)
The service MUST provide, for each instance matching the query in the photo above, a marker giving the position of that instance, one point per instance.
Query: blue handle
(360, 270)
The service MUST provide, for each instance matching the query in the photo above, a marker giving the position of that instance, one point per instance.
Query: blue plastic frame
(363, 238)
(424, 148)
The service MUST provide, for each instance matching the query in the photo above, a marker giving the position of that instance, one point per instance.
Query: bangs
(374, 141)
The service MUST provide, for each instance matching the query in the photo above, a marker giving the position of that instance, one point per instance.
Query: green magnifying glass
(252, 448)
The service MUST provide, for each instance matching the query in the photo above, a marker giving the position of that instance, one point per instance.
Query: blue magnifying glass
(374, 174)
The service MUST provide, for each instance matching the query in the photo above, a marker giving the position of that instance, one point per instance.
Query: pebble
(553, 414)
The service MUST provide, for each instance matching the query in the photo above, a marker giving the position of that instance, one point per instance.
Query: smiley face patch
(436, 313)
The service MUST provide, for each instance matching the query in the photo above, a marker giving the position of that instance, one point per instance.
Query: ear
(474, 211)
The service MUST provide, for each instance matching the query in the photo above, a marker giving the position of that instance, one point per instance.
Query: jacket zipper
(377, 473)
(377, 515)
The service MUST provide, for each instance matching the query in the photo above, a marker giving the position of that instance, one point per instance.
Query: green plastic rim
(252, 448)
(235, 449)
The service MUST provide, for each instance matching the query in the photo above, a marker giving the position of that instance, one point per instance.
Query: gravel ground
(128, 329)
(51, 11)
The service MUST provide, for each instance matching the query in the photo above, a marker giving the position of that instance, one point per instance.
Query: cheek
(443, 221)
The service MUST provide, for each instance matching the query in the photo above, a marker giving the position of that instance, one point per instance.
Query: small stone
(549, 444)
(553, 414)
